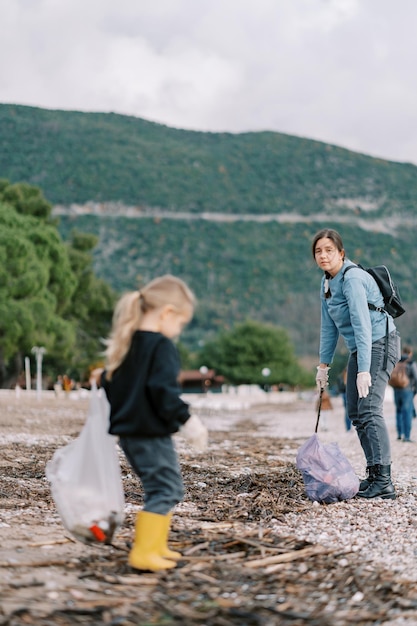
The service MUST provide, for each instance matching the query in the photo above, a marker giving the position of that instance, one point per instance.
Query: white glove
(195, 433)
(363, 382)
(322, 377)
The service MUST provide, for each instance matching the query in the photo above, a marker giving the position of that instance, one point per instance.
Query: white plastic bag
(328, 476)
(85, 478)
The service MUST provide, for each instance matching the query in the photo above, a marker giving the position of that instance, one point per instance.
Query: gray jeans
(367, 413)
(155, 461)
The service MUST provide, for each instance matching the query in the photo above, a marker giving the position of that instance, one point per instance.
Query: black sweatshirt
(144, 393)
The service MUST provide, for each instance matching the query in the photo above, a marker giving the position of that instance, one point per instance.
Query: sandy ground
(253, 436)
(289, 416)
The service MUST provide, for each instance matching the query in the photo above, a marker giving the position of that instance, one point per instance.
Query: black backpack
(392, 299)
(389, 290)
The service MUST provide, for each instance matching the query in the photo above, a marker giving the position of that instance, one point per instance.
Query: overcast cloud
(340, 71)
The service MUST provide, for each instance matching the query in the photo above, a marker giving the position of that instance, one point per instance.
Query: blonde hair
(129, 311)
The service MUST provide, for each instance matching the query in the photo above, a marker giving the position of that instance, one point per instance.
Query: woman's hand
(363, 382)
(322, 376)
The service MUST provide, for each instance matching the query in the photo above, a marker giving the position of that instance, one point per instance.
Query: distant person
(58, 386)
(344, 311)
(67, 384)
(341, 388)
(21, 381)
(404, 397)
(141, 383)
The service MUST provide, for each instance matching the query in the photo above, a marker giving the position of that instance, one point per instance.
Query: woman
(345, 312)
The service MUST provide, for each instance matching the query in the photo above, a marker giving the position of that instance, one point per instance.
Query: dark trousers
(367, 413)
(348, 422)
(155, 461)
(404, 411)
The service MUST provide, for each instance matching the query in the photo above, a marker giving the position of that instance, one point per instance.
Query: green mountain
(233, 214)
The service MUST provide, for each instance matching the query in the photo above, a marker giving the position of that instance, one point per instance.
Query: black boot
(370, 474)
(381, 486)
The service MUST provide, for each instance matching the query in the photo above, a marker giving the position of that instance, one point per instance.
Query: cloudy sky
(340, 71)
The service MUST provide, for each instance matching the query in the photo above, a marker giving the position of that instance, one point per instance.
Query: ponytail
(126, 320)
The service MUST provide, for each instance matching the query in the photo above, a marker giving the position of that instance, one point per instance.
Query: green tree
(244, 352)
(91, 306)
(186, 358)
(49, 294)
(36, 285)
(26, 199)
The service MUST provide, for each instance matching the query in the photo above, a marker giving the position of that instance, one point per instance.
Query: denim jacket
(346, 313)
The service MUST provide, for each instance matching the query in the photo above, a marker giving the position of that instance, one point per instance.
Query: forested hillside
(242, 270)
(182, 188)
(77, 157)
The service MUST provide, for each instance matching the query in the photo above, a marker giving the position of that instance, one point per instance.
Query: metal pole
(203, 372)
(266, 372)
(39, 351)
(27, 371)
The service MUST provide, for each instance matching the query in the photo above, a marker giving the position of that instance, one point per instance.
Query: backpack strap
(372, 307)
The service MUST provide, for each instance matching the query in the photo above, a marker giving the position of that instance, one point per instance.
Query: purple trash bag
(328, 476)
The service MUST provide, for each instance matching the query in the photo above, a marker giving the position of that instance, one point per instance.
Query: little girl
(140, 380)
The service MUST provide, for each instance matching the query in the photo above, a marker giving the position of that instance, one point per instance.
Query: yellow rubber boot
(150, 537)
(166, 552)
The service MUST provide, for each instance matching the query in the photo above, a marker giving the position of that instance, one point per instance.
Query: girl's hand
(195, 433)
(95, 376)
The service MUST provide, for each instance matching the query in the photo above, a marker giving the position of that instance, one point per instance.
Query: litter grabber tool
(327, 474)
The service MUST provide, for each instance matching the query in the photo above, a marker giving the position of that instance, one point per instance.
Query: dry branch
(51, 563)
(295, 555)
(56, 542)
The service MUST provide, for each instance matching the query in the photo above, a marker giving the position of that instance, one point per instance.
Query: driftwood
(34, 564)
(56, 542)
(237, 569)
(287, 557)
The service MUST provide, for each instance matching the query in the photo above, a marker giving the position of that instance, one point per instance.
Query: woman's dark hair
(329, 233)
